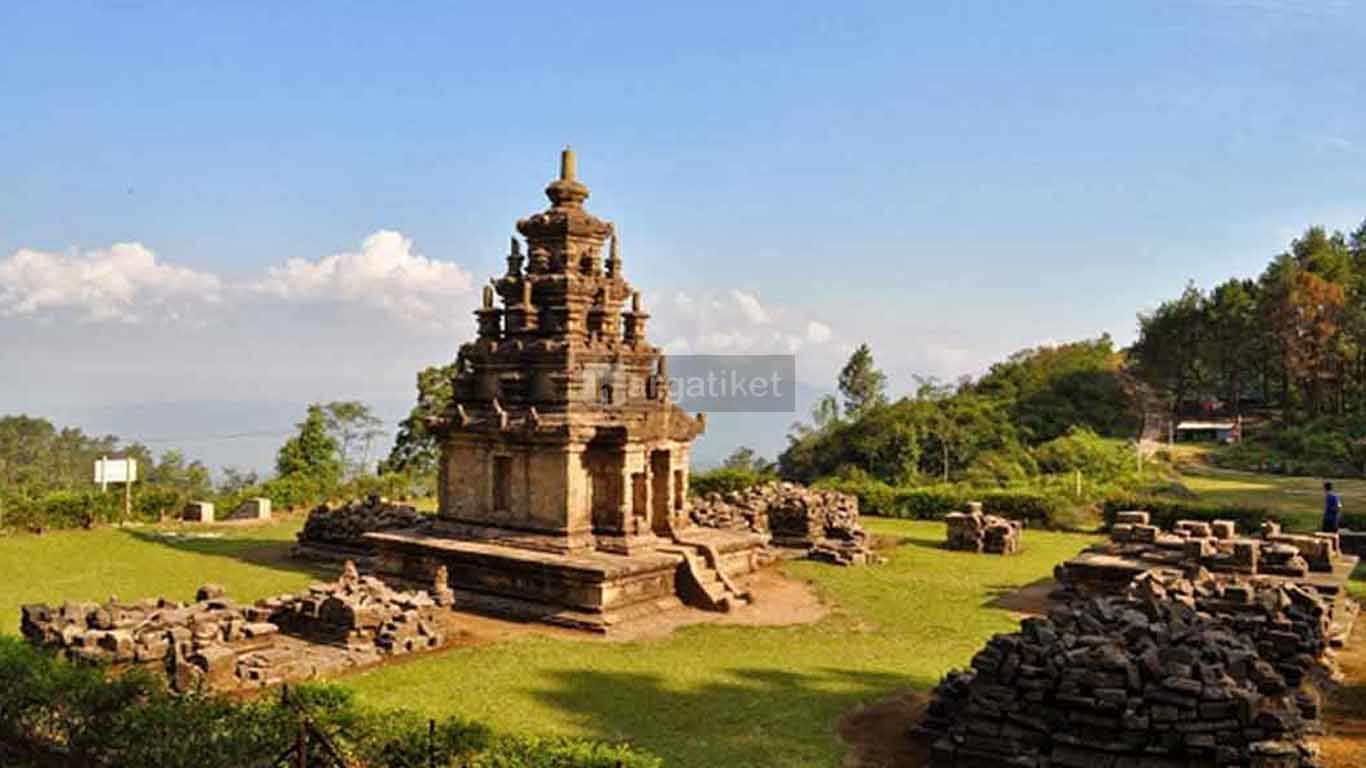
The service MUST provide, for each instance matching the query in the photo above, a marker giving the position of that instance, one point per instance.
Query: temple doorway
(659, 493)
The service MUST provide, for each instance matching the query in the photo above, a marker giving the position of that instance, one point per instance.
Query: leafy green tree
(1231, 341)
(173, 471)
(747, 459)
(861, 383)
(1048, 390)
(354, 428)
(1167, 352)
(415, 448)
(313, 452)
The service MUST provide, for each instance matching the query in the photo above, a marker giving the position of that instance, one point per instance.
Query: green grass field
(146, 561)
(705, 696)
(1296, 501)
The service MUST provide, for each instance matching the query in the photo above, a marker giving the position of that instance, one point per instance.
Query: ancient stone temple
(564, 463)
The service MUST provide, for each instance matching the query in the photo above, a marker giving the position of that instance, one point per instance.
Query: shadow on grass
(750, 717)
(925, 542)
(264, 553)
(1032, 598)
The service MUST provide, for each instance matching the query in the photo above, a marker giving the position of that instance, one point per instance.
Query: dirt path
(879, 736)
(1344, 713)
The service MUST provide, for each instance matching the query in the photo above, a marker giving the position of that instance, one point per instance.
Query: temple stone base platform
(592, 590)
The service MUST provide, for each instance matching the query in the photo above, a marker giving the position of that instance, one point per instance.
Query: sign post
(118, 471)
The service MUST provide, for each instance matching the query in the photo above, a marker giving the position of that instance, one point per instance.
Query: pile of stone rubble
(1136, 545)
(216, 643)
(973, 531)
(823, 524)
(338, 533)
(1174, 672)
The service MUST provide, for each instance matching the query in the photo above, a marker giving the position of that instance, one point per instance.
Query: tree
(415, 449)
(235, 480)
(747, 459)
(313, 452)
(1231, 339)
(861, 383)
(354, 428)
(824, 413)
(1167, 352)
(173, 471)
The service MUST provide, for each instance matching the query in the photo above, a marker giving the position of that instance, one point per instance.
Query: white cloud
(734, 322)
(124, 283)
(750, 306)
(386, 273)
(817, 332)
(127, 282)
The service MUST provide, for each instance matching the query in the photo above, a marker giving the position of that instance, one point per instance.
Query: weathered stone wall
(822, 523)
(338, 533)
(973, 531)
(218, 644)
(1173, 673)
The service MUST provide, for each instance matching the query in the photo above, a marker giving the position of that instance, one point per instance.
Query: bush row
(726, 479)
(933, 502)
(57, 713)
(86, 508)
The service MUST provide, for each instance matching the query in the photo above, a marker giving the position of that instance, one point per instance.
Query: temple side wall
(545, 488)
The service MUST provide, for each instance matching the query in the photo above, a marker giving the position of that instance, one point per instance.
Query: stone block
(1224, 529)
(209, 592)
(252, 509)
(219, 665)
(198, 512)
(1193, 528)
(1133, 517)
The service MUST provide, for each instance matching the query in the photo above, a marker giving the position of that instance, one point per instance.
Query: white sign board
(116, 471)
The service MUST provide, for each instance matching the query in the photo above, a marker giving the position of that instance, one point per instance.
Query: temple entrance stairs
(702, 582)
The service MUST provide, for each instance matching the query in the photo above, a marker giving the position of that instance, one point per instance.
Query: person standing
(1332, 509)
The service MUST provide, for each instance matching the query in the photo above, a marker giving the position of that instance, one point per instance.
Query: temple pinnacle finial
(569, 169)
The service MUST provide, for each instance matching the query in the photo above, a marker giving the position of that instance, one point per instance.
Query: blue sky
(949, 182)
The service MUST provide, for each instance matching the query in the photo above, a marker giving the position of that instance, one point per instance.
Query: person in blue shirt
(1332, 509)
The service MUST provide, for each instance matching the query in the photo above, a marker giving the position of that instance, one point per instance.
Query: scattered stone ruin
(1172, 672)
(822, 524)
(337, 534)
(1136, 546)
(973, 531)
(217, 644)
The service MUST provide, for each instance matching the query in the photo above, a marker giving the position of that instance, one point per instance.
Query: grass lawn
(145, 561)
(1296, 501)
(742, 696)
(705, 696)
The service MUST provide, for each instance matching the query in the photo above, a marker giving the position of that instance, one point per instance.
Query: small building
(1209, 431)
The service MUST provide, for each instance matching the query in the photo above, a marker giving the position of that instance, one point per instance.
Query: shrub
(726, 479)
(54, 712)
(1085, 451)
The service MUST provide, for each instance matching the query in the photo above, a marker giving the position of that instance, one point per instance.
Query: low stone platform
(1136, 548)
(592, 590)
